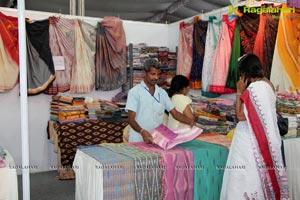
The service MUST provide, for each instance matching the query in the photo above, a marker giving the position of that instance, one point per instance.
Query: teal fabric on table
(209, 162)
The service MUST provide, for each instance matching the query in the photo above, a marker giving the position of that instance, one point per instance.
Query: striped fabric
(207, 174)
(61, 33)
(118, 172)
(148, 174)
(83, 71)
(178, 174)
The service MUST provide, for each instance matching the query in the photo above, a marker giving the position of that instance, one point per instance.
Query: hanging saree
(285, 73)
(265, 40)
(233, 73)
(199, 37)
(110, 54)
(61, 32)
(185, 49)
(212, 35)
(254, 168)
(83, 71)
(249, 23)
(9, 34)
(40, 67)
(9, 70)
(221, 59)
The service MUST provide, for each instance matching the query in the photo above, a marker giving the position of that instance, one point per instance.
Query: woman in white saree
(254, 168)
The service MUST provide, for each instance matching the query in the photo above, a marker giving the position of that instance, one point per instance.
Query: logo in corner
(233, 10)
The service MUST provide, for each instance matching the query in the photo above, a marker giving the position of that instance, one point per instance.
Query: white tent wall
(41, 153)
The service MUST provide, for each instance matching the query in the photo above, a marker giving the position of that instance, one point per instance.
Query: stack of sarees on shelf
(289, 107)
(64, 109)
(215, 115)
(93, 107)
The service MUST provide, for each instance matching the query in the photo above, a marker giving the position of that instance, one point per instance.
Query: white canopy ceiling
(158, 11)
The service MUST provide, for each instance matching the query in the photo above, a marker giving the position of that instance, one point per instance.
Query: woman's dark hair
(177, 84)
(250, 66)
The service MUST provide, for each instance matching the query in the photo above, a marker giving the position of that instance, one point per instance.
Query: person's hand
(241, 84)
(147, 137)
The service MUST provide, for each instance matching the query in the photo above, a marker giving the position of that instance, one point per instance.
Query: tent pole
(23, 100)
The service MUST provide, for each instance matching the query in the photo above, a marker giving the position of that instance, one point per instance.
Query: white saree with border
(254, 168)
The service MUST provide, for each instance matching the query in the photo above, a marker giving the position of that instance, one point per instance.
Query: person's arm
(239, 107)
(133, 124)
(189, 113)
(181, 117)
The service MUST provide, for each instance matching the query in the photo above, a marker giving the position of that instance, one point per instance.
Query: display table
(292, 155)
(8, 179)
(66, 138)
(192, 170)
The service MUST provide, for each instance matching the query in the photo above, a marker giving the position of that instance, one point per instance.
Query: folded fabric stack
(71, 114)
(289, 107)
(93, 107)
(146, 171)
(57, 103)
(163, 56)
(215, 115)
(172, 59)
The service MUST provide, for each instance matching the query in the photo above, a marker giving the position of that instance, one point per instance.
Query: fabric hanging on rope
(285, 73)
(9, 34)
(212, 35)
(110, 54)
(62, 44)
(40, 67)
(265, 40)
(178, 181)
(83, 71)
(9, 70)
(221, 59)
(233, 73)
(185, 49)
(199, 37)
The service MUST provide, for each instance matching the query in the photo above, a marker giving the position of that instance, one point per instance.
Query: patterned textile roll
(40, 67)
(61, 32)
(178, 174)
(110, 54)
(148, 172)
(83, 71)
(9, 69)
(199, 37)
(118, 172)
(185, 49)
(208, 158)
(9, 34)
